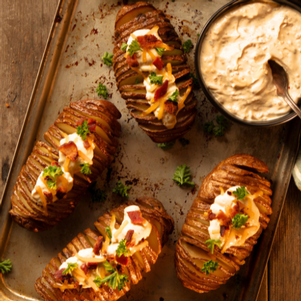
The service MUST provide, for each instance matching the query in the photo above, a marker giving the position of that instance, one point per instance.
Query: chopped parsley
(213, 242)
(187, 46)
(5, 266)
(174, 96)
(83, 129)
(241, 193)
(209, 266)
(121, 189)
(124, 46)
(51, 173)
(219, 129)
(113, 280)
(184, 141)
(182, 176)
(98, 195)
(134, 47)
(70, 268)
(154, 79)
(160, 50)
(108, 58)
(102, 90)
(239, 220)
(167, 145)
(109, 232)
(85, 169)
(122, 249)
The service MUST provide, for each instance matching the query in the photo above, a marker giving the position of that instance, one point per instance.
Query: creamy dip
(235, 54)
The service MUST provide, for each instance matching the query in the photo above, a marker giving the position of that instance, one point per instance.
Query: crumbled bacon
(69, 149)
(98, 245)
(161, 91)
(223, 217)
(122, 260)
(149, 41)
(132, 61)
(86, 144)
(80, 121)
(170, 107)
(158, 63)
(58, 275)
(136, 217)
(92, 265)
(48, 196)
(229, 192)
(211, 216)
(129, 236)
(55, 164)
(223, 230)
(84, 268)
(234, 210)
(60, 192)
(91, 124)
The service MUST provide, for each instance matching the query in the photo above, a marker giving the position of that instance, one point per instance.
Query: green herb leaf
(182, 176)
(85, 169)
(184, 141)
(241, 193)
(187, 46)
(83, 130)
(102, 90)
(198, 34)
(195, 80)
(108, 58)
(121, 189)
(154, 79)
(208, 127)
(108, 267)
(5, 266)
(109, 232)
(124, 46)
(213, 242)
(70, 268)
(51, 173)
(239, 220)
(219, 129)
(122, 249)
(209, 266)
(134, 47)
(98, 195)
(167, 145)
(160, 50)
(174, 96)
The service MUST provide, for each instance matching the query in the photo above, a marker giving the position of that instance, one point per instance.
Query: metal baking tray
(70, 70)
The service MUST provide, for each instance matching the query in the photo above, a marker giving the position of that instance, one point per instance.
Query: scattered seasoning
(187, 46)
(121, 189)
(219, 129)
(7, 105)
(102, 90)
(167, 145)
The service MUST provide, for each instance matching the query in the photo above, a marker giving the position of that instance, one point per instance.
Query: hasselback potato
(42, 208)
(206, 258)
(146, 45)
(53, 285)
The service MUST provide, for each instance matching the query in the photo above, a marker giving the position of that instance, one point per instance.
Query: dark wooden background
(24, 27)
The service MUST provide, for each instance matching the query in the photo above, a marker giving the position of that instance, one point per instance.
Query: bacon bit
(92, 265)
(69, 150)
(98, 245)
(211, 216)
(132, 61)
(170, 107)
(149, 41)
(136, 217)
(122, 260)
(76, 284)
(86, 144)
(223, 217)
(129, 236)
(161, 91)
(58, 275)
(7, 105)
(91, 124)
(223, 230)
(60, 192)
(229, 193)
(80, 122)
(48, 196)
(84, 268)
(234, 210)
(158, 63)
(55, 164)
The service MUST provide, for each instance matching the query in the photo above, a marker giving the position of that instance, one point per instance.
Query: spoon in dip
(280, 81)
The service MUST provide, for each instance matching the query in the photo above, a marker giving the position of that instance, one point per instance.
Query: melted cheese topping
(235, 54)
(234, 236)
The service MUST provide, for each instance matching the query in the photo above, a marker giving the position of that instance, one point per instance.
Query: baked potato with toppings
(130, 82)
(192, 252)
(162, 225)
(31, 213)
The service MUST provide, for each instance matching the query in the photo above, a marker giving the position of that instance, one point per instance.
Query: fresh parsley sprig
(121, 189)
(83, 130)
(51, 173)
(85, 169)
(109, 232)
(241, 192)
(160, 50)
(213, 242)
(239, 220)
(70, 268)
(182, 176)
(154, 79)
(166, 145)
(98, 195)
(219, 129)
(5, 266)
(174, 96)
(122, 249)
(102, 90)
(187, 46)
(209, 266)
(107, 58)
(124, 46)
(134, 47)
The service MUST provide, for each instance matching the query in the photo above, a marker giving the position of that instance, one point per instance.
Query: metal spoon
(280, 81)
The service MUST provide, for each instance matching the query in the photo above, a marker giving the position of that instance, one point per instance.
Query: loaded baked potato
(224, 223)
(152, 74)
(102, 264)
(79, 146)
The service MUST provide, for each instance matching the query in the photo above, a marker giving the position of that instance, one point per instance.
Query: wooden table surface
(24, 28)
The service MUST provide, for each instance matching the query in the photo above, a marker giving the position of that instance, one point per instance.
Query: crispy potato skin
(142, 15)
(191, 250)
(162, 223)
(28, 212)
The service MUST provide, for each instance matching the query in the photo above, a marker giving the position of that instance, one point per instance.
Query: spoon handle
(292, 104)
